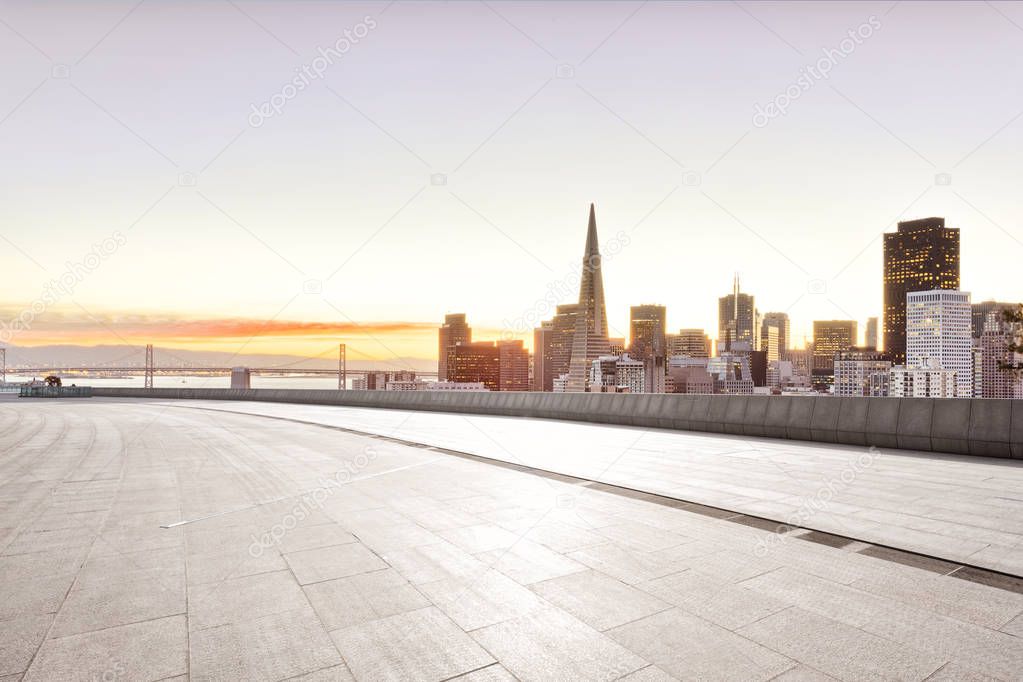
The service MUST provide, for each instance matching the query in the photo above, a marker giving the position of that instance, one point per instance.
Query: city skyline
(233, 232)
(191, 333)
(930, 345)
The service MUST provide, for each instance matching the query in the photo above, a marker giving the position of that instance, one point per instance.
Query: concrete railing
(977, 426)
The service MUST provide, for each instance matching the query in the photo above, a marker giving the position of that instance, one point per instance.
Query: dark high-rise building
(830, 337)
(758, 367)
(513, 369)
(542, 336)
(647, 331)
(923, 255)
(780, 321)
(454, 331)
(590, 340)
(476, 362)
(737, 319)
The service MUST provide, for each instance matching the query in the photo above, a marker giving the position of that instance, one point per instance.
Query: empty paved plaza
(199, 540)
(964, 509)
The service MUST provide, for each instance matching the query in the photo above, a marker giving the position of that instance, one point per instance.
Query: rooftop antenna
(735, 304)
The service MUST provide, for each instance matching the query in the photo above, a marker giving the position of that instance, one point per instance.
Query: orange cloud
(65, 325)
(372, 339)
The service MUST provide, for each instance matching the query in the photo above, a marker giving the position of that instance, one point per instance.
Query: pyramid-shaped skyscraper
(590, 339)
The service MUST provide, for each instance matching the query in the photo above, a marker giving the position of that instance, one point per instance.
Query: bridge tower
(149, 366)
(342, 367)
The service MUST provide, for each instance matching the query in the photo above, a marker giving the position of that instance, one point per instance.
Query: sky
(278, 177)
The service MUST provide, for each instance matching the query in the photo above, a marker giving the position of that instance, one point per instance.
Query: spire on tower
(590, 338)
(592, 246)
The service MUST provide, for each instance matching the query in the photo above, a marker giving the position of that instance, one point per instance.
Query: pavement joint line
(979, 574)
(301, 494)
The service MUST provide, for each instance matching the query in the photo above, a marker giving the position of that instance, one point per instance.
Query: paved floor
(149, 541)
(964, 509)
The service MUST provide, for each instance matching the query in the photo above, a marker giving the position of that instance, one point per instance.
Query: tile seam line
(539, 471)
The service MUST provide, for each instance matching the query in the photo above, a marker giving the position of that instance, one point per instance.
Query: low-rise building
(861, 372)
(620, 372)
(454, 386)
(413, 385)
(241, 378)
(926, 381)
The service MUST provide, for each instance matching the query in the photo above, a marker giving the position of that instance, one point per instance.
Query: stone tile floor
(148, 542)
(965, 509)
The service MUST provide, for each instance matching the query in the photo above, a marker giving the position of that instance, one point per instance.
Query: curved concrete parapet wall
(977, 426)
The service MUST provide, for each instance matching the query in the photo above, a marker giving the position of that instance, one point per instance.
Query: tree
(1013, 318)
(53, 380)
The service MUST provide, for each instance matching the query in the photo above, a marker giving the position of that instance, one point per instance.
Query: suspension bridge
(149, 369)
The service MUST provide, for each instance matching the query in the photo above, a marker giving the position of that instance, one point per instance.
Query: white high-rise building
(939, 326)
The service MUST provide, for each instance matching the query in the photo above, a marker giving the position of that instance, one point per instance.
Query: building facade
(541, 353)
(454, 331)
(453, 386)
(980, 312)
(647, 331)
(922, 255)
(928, 381)
(997, 381)
(690, 343)
(779, 321)
(556, 346)
(769, 342)
(737, 318)
(831, 337)
(590, 339)
(513, 366)
(871, 339)
(476, 362)
(241, 378)
(862, 372)
(413, 385)
(939, 327)
(617, 373)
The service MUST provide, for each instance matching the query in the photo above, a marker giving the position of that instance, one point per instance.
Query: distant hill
(127, 356)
